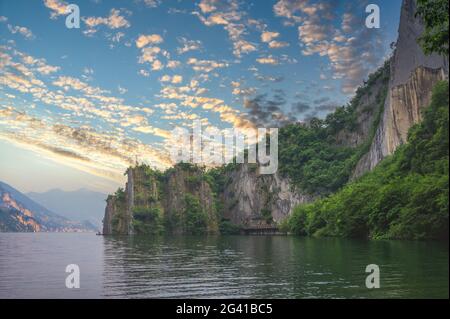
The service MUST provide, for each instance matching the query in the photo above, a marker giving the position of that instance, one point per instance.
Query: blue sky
(77, 106)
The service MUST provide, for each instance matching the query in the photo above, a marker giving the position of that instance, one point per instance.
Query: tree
(434, 14)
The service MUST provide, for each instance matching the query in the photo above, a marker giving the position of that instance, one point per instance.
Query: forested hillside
(405, 196)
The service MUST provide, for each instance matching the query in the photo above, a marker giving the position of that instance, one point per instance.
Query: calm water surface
(32, 265)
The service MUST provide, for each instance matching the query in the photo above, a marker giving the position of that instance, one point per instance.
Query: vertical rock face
(412, 77)
(251, 199)
(150, 200)
(109, 213)
(182, 182)
(368, 104)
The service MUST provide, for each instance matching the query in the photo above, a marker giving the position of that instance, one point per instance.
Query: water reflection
(270, 267)
(33, 266)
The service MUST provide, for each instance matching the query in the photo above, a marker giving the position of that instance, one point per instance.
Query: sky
(79, 105)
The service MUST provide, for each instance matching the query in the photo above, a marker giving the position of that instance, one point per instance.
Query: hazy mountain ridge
(20, 213)
(81, 205)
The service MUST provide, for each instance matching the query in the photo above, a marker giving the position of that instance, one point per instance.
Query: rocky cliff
(179, 200)
(412, 77)
(187, 198)
(251, 199)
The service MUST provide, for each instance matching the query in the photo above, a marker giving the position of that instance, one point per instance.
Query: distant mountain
(82, 204)
(20, 213)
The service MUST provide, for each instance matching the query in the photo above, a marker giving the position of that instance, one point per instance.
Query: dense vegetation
(434, 14)
(405, 196)
(310, 155)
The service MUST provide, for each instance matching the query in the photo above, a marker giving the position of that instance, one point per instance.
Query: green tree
(195, 218)
(434, 14)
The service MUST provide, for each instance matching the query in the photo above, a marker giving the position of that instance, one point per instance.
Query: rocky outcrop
(251, 199)
(152, 198)
(181, 182)
(412, 77)
(246, 199)
(109, 213)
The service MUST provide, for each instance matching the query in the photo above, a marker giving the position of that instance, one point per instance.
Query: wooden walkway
(261, 230)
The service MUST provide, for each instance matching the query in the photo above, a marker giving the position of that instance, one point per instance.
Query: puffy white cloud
(172, 64)
(205, 65)
(157, 65)
(267, 60)
(207, 6)
(144, 40)
(268, 36)
(114, 21)
(176, 79)
(57, 7)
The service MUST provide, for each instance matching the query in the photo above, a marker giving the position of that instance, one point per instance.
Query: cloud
(157, 65)
(57, 7)
(152, 130)
(39, 64)
(352, 52)
(205, 65)
(21, 30)
(176, 79)
(268, 36)
(122, 90)
(77, 99)
(230, 15)
(268, 112)
(278, 44)
(144, 73)
(67, 82)
(187, 97)
(207, 6)
(114, 21)
(150, 53)
(172, 64)
(244, 91)
(152, 3)
(267, 60)
(144, 40)
(101, 154)
(188, 45)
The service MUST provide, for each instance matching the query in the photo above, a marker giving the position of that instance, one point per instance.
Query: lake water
(32, 265)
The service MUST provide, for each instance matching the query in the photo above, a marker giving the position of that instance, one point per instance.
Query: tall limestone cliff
(251, 199)
(185, 190)
(412, 77)
(179, 200)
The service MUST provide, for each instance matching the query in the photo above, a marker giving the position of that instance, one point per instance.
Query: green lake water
(32, 265)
